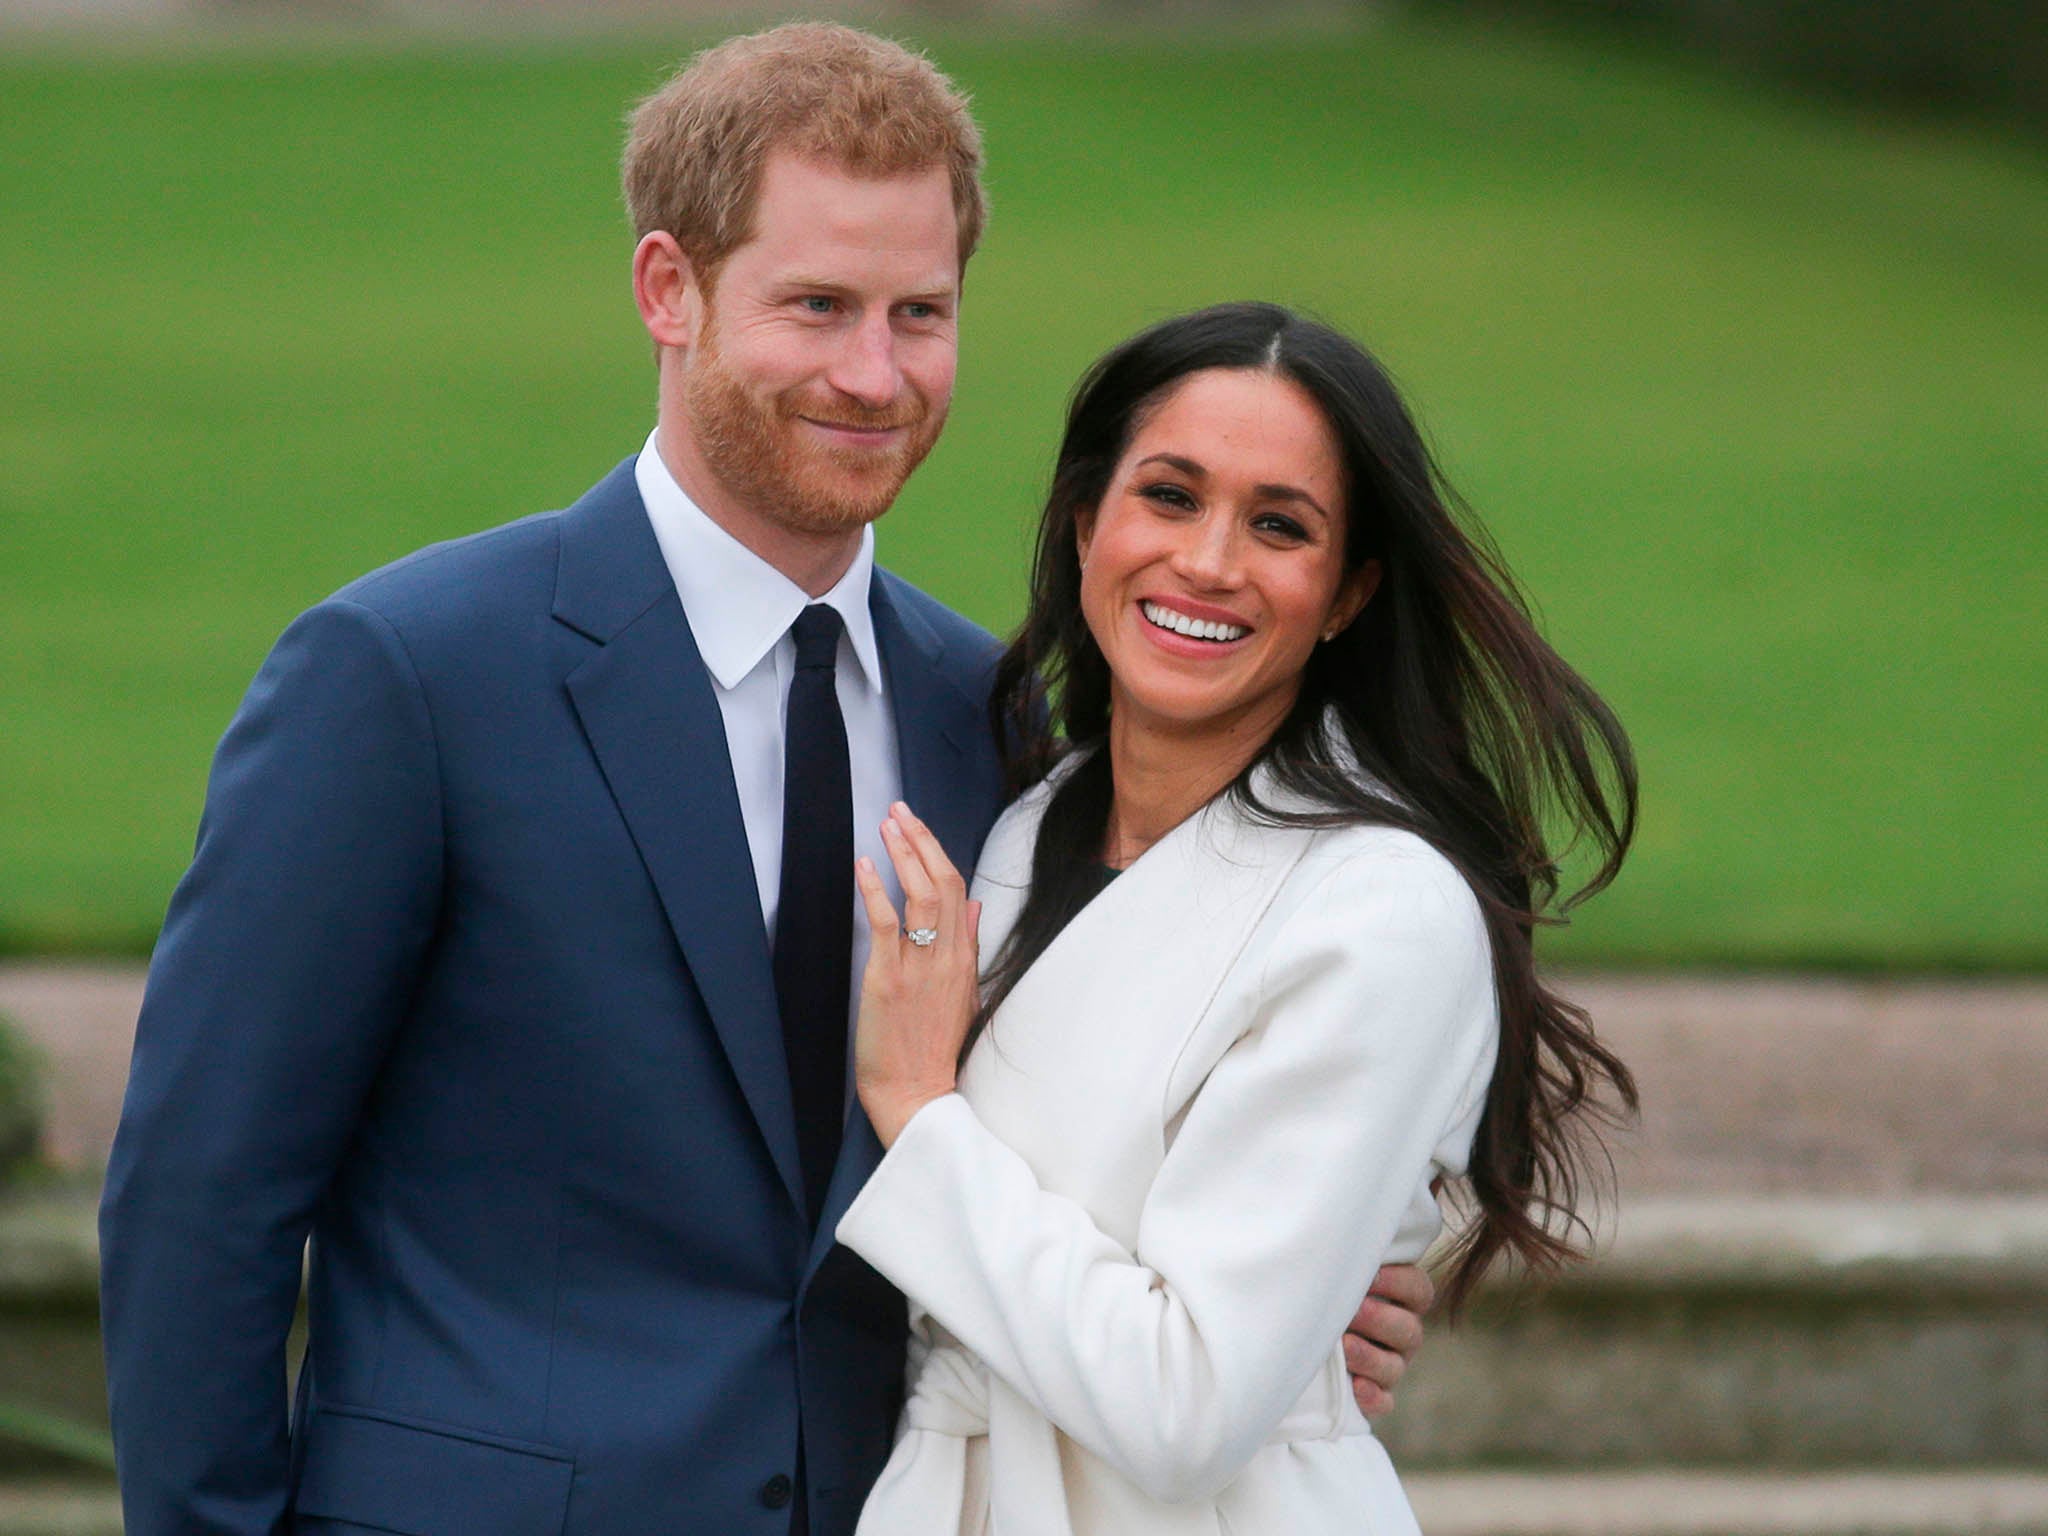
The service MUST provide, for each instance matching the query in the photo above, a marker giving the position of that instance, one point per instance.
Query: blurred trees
(1986, 57)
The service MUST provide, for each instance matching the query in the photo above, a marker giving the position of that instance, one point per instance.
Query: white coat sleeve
(1373, 1029)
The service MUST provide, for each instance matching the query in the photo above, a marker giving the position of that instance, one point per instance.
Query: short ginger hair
(696, 148)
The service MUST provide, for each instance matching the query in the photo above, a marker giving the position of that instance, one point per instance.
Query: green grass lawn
(1753, 394)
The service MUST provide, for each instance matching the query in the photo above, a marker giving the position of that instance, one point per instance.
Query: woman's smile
(1195, 622)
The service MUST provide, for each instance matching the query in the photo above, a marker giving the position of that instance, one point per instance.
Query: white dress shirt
(740, 609)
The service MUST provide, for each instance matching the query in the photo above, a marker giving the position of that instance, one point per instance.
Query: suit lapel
(937, 726)
(647, 706)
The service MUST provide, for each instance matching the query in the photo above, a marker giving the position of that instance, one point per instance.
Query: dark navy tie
(814, 912)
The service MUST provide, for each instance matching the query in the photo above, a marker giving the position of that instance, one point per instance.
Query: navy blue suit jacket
(468, 981)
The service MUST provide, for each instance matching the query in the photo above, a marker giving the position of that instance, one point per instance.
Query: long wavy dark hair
(1472, 733)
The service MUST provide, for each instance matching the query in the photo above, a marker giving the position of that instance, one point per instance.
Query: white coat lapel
(1191, 900)
(1148, 954)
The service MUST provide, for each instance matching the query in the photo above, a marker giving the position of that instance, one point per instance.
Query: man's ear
(1353, 593)
(666, 288)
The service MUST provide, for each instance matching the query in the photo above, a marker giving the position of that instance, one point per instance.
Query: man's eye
(919, 311)
(818, 304)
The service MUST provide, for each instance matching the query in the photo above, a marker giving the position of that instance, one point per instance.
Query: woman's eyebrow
(1175, 461)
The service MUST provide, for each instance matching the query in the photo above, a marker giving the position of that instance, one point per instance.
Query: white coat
(1194, 1130)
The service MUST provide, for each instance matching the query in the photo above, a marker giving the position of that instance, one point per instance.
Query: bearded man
(514, 965)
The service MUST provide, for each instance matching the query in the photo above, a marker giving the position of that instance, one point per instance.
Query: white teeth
(1198, 629)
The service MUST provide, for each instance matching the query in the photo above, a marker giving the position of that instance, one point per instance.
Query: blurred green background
(1751, 389)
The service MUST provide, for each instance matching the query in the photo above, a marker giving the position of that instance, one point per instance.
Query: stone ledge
(1756, 1333)
(1955, 1247)
(1852, 1087)
(1930, 1245)
(1683, 1503)
(58, 1509)
(49, 1252)
(1649, 1503)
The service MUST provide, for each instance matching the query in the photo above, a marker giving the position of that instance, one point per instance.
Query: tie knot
(816, 632)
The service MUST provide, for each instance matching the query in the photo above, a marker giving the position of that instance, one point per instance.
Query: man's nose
(866, 367)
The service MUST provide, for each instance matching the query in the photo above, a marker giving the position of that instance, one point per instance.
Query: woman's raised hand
(916, 999)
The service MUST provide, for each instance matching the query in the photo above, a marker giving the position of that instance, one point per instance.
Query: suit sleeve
(288, 955)
(1373, 1029)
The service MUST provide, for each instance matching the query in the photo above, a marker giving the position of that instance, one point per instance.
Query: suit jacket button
(776, 1491)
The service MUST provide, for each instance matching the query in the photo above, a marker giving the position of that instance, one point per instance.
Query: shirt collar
(737, 603)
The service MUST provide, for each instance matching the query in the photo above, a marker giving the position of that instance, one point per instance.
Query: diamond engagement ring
(923, 938)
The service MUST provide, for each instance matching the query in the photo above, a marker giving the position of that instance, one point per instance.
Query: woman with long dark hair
(1261, 971)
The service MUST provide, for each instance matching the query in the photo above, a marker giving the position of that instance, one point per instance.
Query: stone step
(1708, 1333)
(49, 1321)
(1727, 1332)
(1873, 1088)
(1500, 1503)
(58, 1509)
(1864, 1088)
(1688, 1503)
(1830, 1252)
